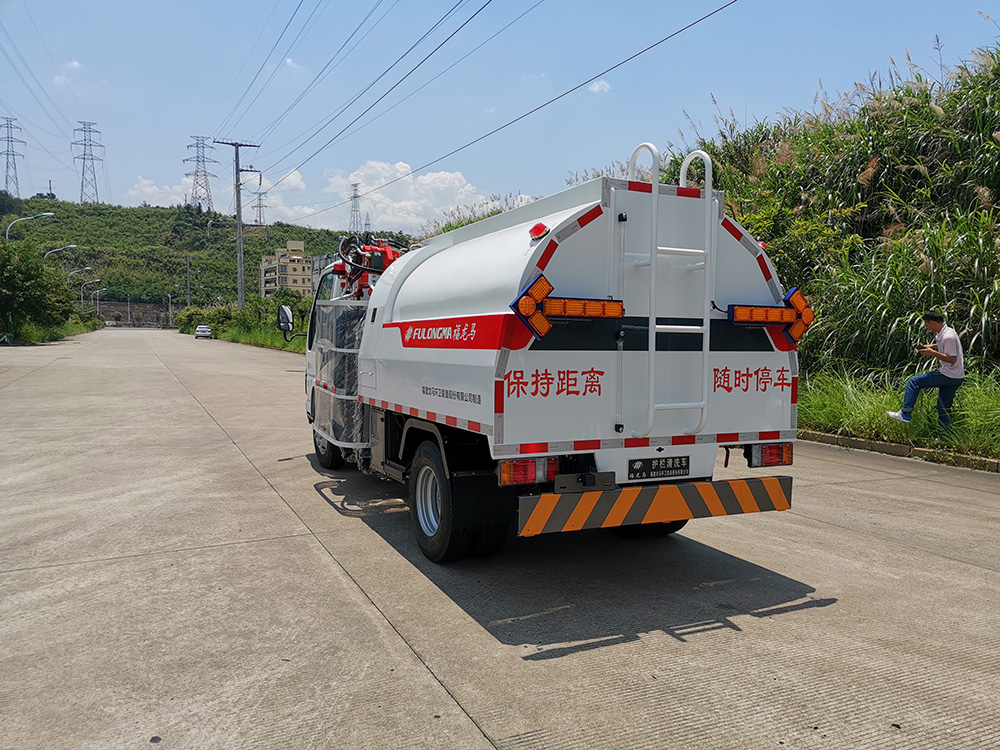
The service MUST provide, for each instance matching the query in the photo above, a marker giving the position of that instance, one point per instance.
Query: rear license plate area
(658, 468)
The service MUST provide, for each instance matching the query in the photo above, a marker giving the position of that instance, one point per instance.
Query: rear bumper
(627, 506)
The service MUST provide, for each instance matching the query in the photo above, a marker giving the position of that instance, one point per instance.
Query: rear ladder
(703, 258)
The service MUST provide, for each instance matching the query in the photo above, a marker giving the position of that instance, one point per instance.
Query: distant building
(287, 269)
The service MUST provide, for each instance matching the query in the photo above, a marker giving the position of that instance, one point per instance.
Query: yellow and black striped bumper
(626, 506)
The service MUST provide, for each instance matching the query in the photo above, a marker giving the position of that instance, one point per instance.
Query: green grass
(847, 404)
(30, 333)
(268, 338)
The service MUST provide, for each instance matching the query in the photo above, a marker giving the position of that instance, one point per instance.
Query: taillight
(528, 470)
(768, 454)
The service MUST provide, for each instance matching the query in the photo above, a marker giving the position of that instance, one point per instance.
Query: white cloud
(600, 87)
(291, 64)
(147, 191)
(62, 76)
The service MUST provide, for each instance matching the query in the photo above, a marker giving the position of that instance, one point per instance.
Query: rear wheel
(328, 454)
(432, 508)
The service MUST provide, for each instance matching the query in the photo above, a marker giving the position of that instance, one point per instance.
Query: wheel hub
(428, 501)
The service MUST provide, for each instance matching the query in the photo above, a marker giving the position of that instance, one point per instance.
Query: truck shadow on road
(567, 593)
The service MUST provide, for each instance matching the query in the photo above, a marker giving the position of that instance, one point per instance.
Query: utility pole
(10, 180)
(201, 190)
(240, 285)
(355, 227)
(189, 280)
(88, 179)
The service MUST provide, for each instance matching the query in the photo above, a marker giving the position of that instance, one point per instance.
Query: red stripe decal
(763, 267)
(682, 440)
(451, 421)
(498, 397)
(589, 216)
(779, 339)
(795, 390)
(686, 192)
(317, 382)
(385, 404)
(534, 448)
(731, 228)
(361, 399)
(547, 255)
(770, 435)
(432, 417)
(414, 412)
(474, 427)
(641, 187)
(515, 334)
(586, 445)
(636, 442)
(727, 437)
(397, 407)
(470, 332)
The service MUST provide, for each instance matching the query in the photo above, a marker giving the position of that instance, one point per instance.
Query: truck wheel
(432, 508)
(639, 531)
(328, 454)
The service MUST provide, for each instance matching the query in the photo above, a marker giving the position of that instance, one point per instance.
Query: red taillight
(528, 470)
(769, 454)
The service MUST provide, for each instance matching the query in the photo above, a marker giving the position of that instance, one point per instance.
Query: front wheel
(328, 454)
(432, 508)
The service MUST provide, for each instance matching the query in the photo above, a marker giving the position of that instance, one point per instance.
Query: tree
(30, 292)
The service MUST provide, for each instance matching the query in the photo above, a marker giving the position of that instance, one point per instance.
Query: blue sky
(151, 75)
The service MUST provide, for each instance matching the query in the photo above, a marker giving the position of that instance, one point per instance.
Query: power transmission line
(528, 113)
(201, 189)
(277, 66)
(10, 175)
(88, 178)
(391, 89)
(240, 285)
(387, 110)
(327, 69)
(267, 57)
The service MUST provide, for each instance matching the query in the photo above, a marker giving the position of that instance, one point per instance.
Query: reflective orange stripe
(776, 493)
(582, 511)
(621, 507)
(540, 515)
(667, 505)
(744, 496)
(711, 498)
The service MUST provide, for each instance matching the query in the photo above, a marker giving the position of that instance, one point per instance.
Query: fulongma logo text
(458, 332)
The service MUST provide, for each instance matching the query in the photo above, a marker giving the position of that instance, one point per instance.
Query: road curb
(904, 450)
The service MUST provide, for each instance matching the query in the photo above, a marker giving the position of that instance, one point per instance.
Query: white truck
(575, 363)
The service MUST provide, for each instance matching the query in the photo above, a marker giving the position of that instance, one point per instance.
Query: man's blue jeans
(946, 395)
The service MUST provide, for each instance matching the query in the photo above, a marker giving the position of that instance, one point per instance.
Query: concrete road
(176, 570)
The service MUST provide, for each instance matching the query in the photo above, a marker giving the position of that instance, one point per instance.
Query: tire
(328, 454)
(432, 508)
(641, 531)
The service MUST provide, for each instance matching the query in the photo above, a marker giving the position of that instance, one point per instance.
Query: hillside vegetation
(881, 206)
(142, 252)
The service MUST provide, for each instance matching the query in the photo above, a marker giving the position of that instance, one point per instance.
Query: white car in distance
(203, 332)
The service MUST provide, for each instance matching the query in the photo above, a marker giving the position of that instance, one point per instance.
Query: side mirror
(286, 321)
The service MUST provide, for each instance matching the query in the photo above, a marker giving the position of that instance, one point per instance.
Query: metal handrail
(654, 251)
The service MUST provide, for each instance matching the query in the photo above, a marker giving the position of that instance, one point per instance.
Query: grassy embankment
(882, 206)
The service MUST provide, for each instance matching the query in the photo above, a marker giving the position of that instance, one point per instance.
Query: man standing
(948, 350)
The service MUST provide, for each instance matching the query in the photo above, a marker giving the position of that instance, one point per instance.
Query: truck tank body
(442, 342)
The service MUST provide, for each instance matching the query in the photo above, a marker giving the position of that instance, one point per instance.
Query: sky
(368, 91)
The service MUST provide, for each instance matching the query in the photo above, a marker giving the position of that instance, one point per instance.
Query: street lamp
(98, 293)
(170, 310)
(6, 235)
(58, 249)
(95, 281)
(79, 270)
